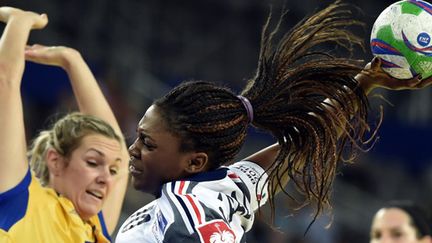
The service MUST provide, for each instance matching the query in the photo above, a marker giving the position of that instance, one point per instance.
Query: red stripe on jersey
(191, 201)
(181, 188)
(195, 208)
(233, 176)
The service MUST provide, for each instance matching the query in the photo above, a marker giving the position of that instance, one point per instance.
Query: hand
(37, 21)
(60, 56)
(373, 76)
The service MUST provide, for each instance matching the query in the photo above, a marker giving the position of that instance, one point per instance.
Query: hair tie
(248, 106)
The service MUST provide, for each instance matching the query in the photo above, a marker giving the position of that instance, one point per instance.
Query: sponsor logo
(162, 222)
(423, 39)
(251, 173)
(216, 231)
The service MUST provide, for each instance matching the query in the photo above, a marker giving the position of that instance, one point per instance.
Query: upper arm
(92, 101)
(264, 157)
(13, 160)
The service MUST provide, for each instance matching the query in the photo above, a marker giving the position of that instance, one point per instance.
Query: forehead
(102, 145)
(152, 121)
(391, 217)
(154, 127)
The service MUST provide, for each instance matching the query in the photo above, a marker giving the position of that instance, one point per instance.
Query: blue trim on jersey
(185, 208)
(213, 175)
(104, 228)
(13, 203)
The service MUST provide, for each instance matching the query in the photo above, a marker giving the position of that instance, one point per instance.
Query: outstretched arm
(370, 78)
(13, 160)
(91, 101)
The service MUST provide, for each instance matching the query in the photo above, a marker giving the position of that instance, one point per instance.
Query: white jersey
(215, 206)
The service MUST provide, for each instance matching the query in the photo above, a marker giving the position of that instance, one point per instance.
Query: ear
(54, 162)
(197, 163)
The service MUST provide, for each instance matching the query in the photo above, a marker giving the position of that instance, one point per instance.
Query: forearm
(267, 156)
(13, 160)
(12, 45)
(92, 101)
(87, 92)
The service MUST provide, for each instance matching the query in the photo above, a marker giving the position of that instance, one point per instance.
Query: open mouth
(96, 194)
(134, 171)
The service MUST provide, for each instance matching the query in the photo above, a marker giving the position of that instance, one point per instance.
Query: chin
(87, 213)
(138, 185)
(88, 210)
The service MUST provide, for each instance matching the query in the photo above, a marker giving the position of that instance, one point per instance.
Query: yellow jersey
(32, 213)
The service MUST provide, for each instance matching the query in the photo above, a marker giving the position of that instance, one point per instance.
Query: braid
(208, 118)
(288, 95)
(288, 90)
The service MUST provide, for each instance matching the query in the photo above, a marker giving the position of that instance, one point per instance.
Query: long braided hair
(308, 100)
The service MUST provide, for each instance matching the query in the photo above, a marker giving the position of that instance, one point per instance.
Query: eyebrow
(144, 132)
(118, 159)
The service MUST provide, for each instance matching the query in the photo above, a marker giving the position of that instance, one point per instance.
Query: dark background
(138, 50)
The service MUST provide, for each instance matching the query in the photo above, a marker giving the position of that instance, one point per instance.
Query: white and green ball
(401, 37)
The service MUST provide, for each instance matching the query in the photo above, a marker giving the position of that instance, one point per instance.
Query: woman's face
(86, 177)
(155, 155)
(393, 225)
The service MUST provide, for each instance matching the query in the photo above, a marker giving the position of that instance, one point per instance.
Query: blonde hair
(65, 136)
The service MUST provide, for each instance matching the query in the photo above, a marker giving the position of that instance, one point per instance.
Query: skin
(156, 158)
(155, 155)
(393, 225)
(87, 177)
(90, 101)
(13, 159)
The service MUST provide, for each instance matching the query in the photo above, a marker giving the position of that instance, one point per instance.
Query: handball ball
(401, 37)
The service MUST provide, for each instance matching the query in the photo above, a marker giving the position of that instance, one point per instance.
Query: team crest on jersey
(216, 231)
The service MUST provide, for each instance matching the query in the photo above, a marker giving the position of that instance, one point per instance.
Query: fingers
(34, 47)
(37, 21)
(40, 21)
(37, 53)
(424, 83)
(376, 63)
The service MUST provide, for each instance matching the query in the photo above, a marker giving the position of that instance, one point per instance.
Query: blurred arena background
(140, 49)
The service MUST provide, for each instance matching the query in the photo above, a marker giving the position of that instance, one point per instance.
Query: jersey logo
(161, 221)
(216, 231)
(138, 218)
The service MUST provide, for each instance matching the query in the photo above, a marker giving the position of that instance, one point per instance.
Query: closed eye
(145, 141)
(113, 171)
(92, 163)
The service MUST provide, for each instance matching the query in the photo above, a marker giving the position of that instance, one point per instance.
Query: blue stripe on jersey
(13, 203)
(214, 175)
(104, 228)
(185, 208)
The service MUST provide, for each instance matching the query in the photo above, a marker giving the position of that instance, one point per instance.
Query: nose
(104, 177)
(133, 150)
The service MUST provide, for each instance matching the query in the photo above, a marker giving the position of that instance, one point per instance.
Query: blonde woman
(76, 187)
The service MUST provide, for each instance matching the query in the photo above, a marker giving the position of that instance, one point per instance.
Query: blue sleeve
(13, 203)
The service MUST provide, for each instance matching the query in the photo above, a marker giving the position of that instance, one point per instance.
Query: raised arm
(13, 161)
(370, 78)
(91, 101)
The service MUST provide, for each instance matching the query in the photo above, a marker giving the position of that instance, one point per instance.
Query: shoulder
(27, 203)
(147, 224)
(14, 202)
(252, 171)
